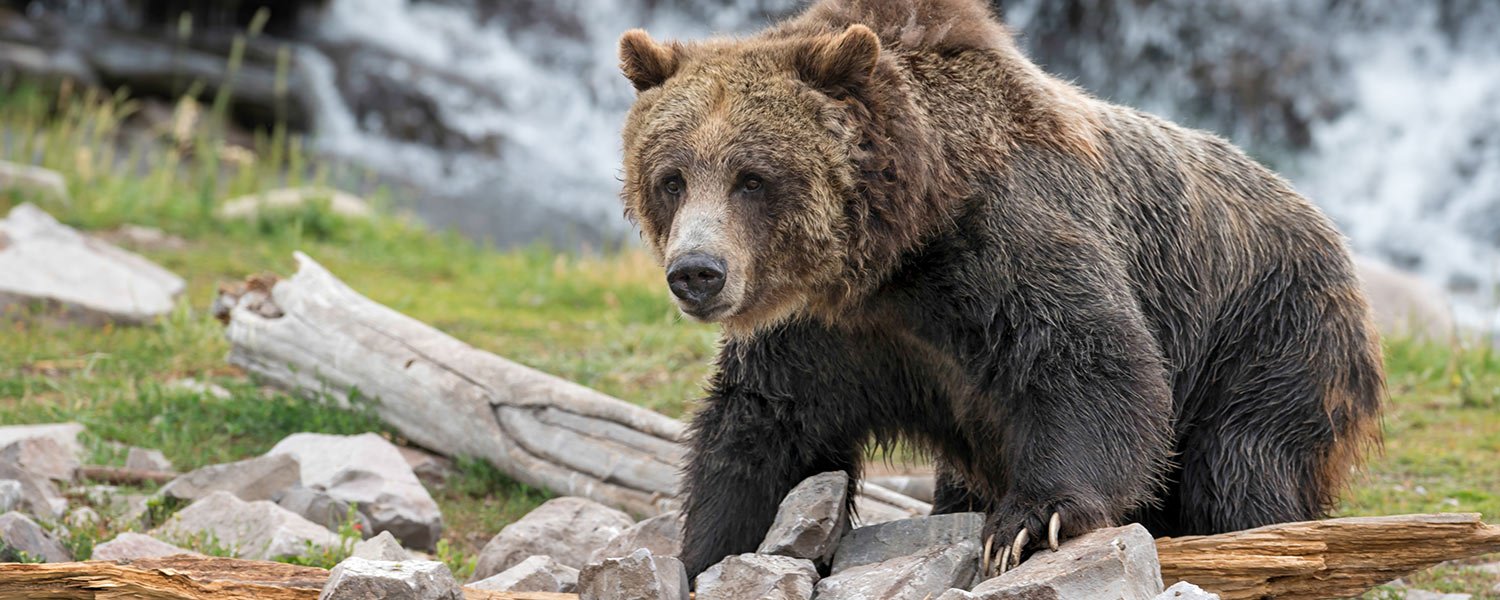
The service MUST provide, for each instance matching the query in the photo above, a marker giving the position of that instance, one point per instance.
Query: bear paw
(1011, 535)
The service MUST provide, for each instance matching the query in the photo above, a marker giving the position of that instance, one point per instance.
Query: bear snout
(696, 279)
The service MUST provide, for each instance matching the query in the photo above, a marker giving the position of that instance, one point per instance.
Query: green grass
(600, 319)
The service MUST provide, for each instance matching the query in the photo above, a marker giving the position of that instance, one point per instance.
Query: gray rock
(38, 495)
(32, 180)
(811, 519)
(1404, 305)
(82, 517)
(919, 576)
(131, 545)
(877, 543)
(535, 574)
(258, 478)
(368, 471)
(362, 579)
(338, 202)
(1119, 562)
(65, 434)
(257, 530)
(569, 529)
(89, 279)
(1430, 595)
(661, 534)
(381, 547)
(121, 507)
(320, 507)
(10, 494)
(22, 540)
(1183, 590)
(200, 388)
(758, 576)
(640, 576)
(43, 457)
(431, 469)
(147, 460)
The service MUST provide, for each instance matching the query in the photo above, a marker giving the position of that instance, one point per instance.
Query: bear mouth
(706, 314)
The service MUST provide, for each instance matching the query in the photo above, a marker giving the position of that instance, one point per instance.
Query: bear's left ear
(646, 63)
(843, 63)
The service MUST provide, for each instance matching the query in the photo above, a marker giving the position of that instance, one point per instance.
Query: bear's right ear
(645, 63)
(842, 63)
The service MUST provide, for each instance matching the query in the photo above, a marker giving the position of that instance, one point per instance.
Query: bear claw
(1053, 525)
(1016, 547)
(984, 566)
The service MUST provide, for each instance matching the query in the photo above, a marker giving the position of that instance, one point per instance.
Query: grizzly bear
(1090, 316)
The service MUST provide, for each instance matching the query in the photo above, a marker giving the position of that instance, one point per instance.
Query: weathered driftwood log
(185, 578)
(313, 334)
(1334, 558)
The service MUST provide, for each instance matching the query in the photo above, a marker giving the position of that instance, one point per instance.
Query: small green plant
(350, 532)
(206, 543)
(457, 560)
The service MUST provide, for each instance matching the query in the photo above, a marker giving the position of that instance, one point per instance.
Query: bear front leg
(1081, 419)
(787, 404)
(746, 454)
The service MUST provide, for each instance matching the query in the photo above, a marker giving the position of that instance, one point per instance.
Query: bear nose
(696, 278)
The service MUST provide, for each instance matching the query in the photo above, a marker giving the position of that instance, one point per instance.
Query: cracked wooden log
(1333, 558)
(186, 578)
(313, 334)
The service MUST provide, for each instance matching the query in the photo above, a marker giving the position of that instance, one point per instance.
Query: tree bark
(314, 335)
(1334, 558)
(186, 578)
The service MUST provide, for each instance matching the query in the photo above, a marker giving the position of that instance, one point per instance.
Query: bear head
(773, 177)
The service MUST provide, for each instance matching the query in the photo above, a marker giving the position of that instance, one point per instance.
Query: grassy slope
(600, 320)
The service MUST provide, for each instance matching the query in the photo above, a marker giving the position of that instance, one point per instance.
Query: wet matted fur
(1079, 308)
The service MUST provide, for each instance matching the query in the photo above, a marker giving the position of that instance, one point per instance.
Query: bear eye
(751, 183)
(673, 185)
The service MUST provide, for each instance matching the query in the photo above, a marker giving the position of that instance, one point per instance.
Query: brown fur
(1078, 307)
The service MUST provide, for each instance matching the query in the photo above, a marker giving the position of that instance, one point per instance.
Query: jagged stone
(83, 517)
(763, 576)
(339, 202)
(42, 456)
(431, 469)
(1119, 563)
(640, 576)
(38, 496)
(368, 471)
(811, 519)
(362, 579)
(876, 543)
(145, 459)
(258, 478)
(10, 495)
(661, 534)
(321, 507)
(130, 545)
(1183, 590)
(89, 279)
(535, 574)
(22, 540)
(919, 576)
(381, 547)
(65, 434)
(569, 529)
(258, 530)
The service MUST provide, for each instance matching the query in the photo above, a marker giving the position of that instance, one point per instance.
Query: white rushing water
(1391, 118)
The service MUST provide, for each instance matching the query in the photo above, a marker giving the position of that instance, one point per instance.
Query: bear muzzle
(696, 280)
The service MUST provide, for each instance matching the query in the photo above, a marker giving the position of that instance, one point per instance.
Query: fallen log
(186, 578)
(314, 335)
(1334, 558)
(124, 476)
